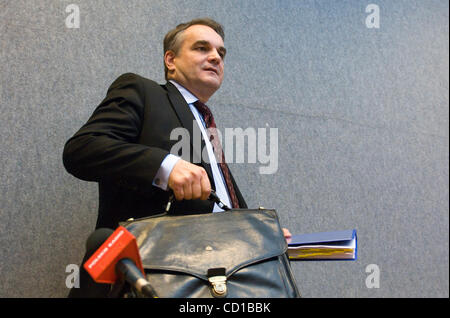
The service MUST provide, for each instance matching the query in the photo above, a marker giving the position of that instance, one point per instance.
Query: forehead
(202, 33)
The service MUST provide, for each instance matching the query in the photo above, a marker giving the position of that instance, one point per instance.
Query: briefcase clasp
(219, 286)
(218, 280)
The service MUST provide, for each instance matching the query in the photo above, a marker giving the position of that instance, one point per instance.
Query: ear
(169, 57)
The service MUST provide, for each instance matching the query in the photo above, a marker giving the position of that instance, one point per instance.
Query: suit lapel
(187, 120)
(242, 203)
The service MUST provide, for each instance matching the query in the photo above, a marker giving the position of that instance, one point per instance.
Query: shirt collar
(188, 96)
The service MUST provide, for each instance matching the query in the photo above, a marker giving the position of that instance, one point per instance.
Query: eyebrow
(204, 42)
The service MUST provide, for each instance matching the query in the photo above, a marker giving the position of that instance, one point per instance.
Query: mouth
(211, 69)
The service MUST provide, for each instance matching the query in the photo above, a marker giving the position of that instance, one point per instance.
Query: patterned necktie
(220, 157)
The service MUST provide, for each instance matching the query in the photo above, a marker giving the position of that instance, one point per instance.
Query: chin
(212, 82)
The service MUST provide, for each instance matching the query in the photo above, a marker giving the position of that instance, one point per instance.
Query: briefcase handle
(212, 197)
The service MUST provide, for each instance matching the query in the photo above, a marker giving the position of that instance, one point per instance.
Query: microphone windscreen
(96, 239)
(121, 244)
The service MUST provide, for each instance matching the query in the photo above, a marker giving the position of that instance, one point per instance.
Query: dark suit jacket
(123, 144)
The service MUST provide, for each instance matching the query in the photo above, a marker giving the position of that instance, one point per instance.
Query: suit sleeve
(106, 148)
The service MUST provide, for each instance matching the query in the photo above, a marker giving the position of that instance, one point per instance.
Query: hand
(287, 234)
(189, 181)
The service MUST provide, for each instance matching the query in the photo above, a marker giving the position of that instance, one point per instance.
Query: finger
(179, 193)
(187, 188)
(196, 190)
(205, 187)
(286, 233)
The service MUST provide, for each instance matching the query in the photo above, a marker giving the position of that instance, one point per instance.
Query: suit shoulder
(135, 80)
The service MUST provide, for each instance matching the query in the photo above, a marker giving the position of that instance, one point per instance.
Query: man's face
(198, 66)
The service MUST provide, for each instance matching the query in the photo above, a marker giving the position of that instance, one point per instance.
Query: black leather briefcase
(238, 253)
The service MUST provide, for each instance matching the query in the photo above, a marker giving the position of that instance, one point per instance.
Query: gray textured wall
(362, 117)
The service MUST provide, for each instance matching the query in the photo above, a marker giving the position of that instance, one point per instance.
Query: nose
(214, 57)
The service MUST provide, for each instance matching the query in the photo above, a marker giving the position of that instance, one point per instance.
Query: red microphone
(119, 254)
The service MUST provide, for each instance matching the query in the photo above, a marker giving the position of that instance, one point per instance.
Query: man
(125, 145)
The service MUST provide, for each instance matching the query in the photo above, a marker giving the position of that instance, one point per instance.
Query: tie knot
(206, 113)
(201, 107)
